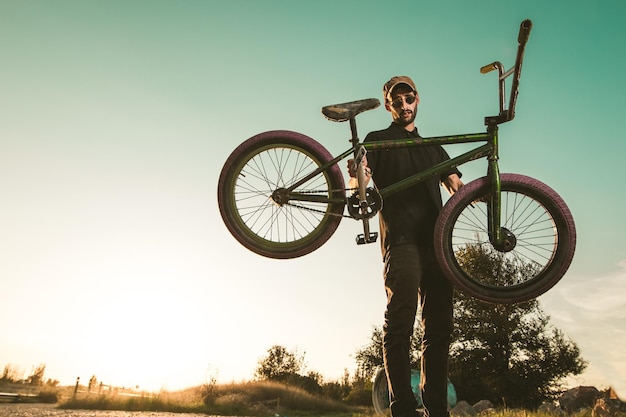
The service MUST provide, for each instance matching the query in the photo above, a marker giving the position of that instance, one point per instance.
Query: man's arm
(452, 183)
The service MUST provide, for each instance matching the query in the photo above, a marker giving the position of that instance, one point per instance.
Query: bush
(266, 396)
(48, 397)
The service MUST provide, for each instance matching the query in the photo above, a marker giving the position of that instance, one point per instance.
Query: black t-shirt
(407, 216)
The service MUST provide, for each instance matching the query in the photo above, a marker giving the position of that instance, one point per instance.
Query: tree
(278, 363)
(508, 354)
(286, 367)
(338, 390)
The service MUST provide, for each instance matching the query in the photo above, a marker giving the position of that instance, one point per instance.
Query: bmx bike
(282, 195)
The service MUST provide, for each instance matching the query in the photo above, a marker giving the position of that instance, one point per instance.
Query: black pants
(412, 274)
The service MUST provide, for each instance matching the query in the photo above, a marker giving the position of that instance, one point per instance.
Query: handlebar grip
(488, 68)
(524, 31)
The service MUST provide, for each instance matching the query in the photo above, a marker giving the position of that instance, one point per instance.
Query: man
(411, 272)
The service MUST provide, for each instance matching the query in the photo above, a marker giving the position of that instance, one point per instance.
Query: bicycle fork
(501, 238)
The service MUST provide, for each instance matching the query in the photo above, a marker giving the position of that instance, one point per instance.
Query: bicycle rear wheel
(380, 391)
(539, 228)
(263, 164)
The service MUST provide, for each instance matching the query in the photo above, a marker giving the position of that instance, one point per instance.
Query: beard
(405, 118)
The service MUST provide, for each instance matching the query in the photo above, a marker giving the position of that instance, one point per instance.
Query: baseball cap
(394, 82)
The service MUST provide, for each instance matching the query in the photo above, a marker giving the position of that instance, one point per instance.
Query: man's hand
(453, 183)
(352, 168)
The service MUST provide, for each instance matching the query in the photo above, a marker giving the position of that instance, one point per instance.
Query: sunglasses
(397, 102)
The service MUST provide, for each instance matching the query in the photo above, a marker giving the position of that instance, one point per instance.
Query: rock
(549, 408)
(463, 409)
(483, 406)
(605, 408)
(615, 399)
(577, 398)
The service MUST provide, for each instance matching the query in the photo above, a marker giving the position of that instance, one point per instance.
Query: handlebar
(508, 115)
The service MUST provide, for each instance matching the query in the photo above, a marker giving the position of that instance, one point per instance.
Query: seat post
(355, 137)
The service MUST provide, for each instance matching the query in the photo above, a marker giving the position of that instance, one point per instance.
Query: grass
(249, 399)
(254, 399)
(11, 392)
(525, 413)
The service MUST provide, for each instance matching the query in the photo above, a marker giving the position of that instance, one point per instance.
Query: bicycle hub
(509, 241)
(280, 196)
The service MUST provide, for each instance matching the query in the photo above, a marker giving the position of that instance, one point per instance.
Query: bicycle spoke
(275, 168)
(526, 218)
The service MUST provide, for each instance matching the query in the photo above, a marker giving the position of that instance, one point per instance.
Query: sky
(117, 116)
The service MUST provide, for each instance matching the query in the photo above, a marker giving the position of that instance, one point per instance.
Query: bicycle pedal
(360, 239)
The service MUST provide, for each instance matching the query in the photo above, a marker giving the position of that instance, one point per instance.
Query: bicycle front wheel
(540, 233)
(268, 162)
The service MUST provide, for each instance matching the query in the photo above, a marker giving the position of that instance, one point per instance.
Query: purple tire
(267, 162)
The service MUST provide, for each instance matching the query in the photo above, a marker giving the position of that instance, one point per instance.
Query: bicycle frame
(488, 150)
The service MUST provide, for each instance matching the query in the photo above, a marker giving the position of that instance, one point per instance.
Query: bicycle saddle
(346, 111)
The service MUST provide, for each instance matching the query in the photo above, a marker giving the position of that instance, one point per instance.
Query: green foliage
(490, 266)
(334, 390)
(370, 357)
(278, 363)
(338, 390)
(286, 367)
(360, 391)
(509, 354)
(281, 365)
